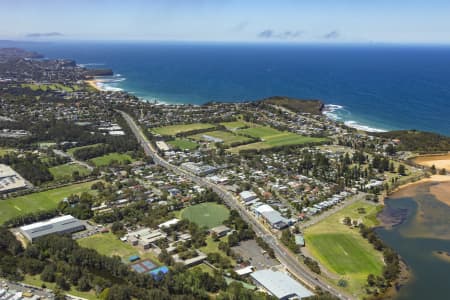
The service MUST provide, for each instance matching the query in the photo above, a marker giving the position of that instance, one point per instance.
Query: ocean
(372, 87)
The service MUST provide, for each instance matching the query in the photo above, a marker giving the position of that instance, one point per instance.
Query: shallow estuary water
(422, 230)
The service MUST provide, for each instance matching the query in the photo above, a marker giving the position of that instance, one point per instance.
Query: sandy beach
(441, 191)
(439, 161)
(93, 83)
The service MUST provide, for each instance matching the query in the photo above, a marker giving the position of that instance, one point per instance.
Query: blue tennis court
(144, 266)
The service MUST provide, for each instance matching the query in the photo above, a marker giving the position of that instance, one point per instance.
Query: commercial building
(245, 271)
(220, 230)
(58, 225)
(271, 216)
(280, 285)
(145, 237)
(191, 261)
(169, 223)
(198, 169)
(248, 196)
(10, 180)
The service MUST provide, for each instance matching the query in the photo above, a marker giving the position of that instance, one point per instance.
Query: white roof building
(280, 285)
(169, 223)
(10, 180)
(247, 195)
(58, 225)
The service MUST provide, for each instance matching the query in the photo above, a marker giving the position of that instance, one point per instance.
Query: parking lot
(257, 257)
(90, 230)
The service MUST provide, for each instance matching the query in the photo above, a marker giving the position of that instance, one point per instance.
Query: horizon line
(259, 42)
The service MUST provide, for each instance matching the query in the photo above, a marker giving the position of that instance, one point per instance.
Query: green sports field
(237, 125)
(106, 159)
(289, 138)
(14, 207)
(66, 170)
(175, 129)
(206, 214)
(259, 132)
(228, 138)
(272, 137)
(183, 144)
(342, 250)
(279, 140)
(51, 87)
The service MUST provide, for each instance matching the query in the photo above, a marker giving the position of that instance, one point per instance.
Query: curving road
(289, 260)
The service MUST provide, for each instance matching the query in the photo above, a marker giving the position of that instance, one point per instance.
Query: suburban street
(288, 259)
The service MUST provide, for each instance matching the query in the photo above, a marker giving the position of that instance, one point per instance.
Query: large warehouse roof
(63, 224)
(280, 284)
(10, 180)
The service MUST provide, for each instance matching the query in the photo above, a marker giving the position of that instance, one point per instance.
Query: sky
(296, 21)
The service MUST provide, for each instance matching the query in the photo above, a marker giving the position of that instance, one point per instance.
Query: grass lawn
(227, 137)
(36, 281)
(256, 146)
(342, 250)
(213, 247)
(290, 138)
(272, 137)
(66, 170)
(259, 132)
(183, 144)
(4, 151)
(14, 207)
(206, 214)
(237, 125)
(204, 268)
(106, 159)
(108, 244)
(175, 129)
(51, 87)
(72, 150)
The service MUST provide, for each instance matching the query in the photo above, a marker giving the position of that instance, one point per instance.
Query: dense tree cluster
(413, 140)
(61, 260)
(391, 268)
(288, 239)
(312, 264)
(29, 166)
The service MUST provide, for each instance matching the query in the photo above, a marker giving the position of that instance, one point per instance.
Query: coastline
(406, 275)
(331, 111)
(94, 84)
(432, 178)
(440, 161)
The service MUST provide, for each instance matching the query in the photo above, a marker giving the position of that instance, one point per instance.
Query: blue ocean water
(377, 86)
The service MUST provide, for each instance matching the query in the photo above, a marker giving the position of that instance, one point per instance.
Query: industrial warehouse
(58, 225)
(10, 180)
(280, 285)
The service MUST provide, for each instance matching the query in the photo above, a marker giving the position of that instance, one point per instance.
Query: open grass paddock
(175, 129)
(46, 200)
(342, 250)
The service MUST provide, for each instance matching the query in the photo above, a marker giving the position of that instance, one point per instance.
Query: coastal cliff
(99, 72)
(311, 106)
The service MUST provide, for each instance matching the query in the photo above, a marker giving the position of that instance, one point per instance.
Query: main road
(288, 259)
